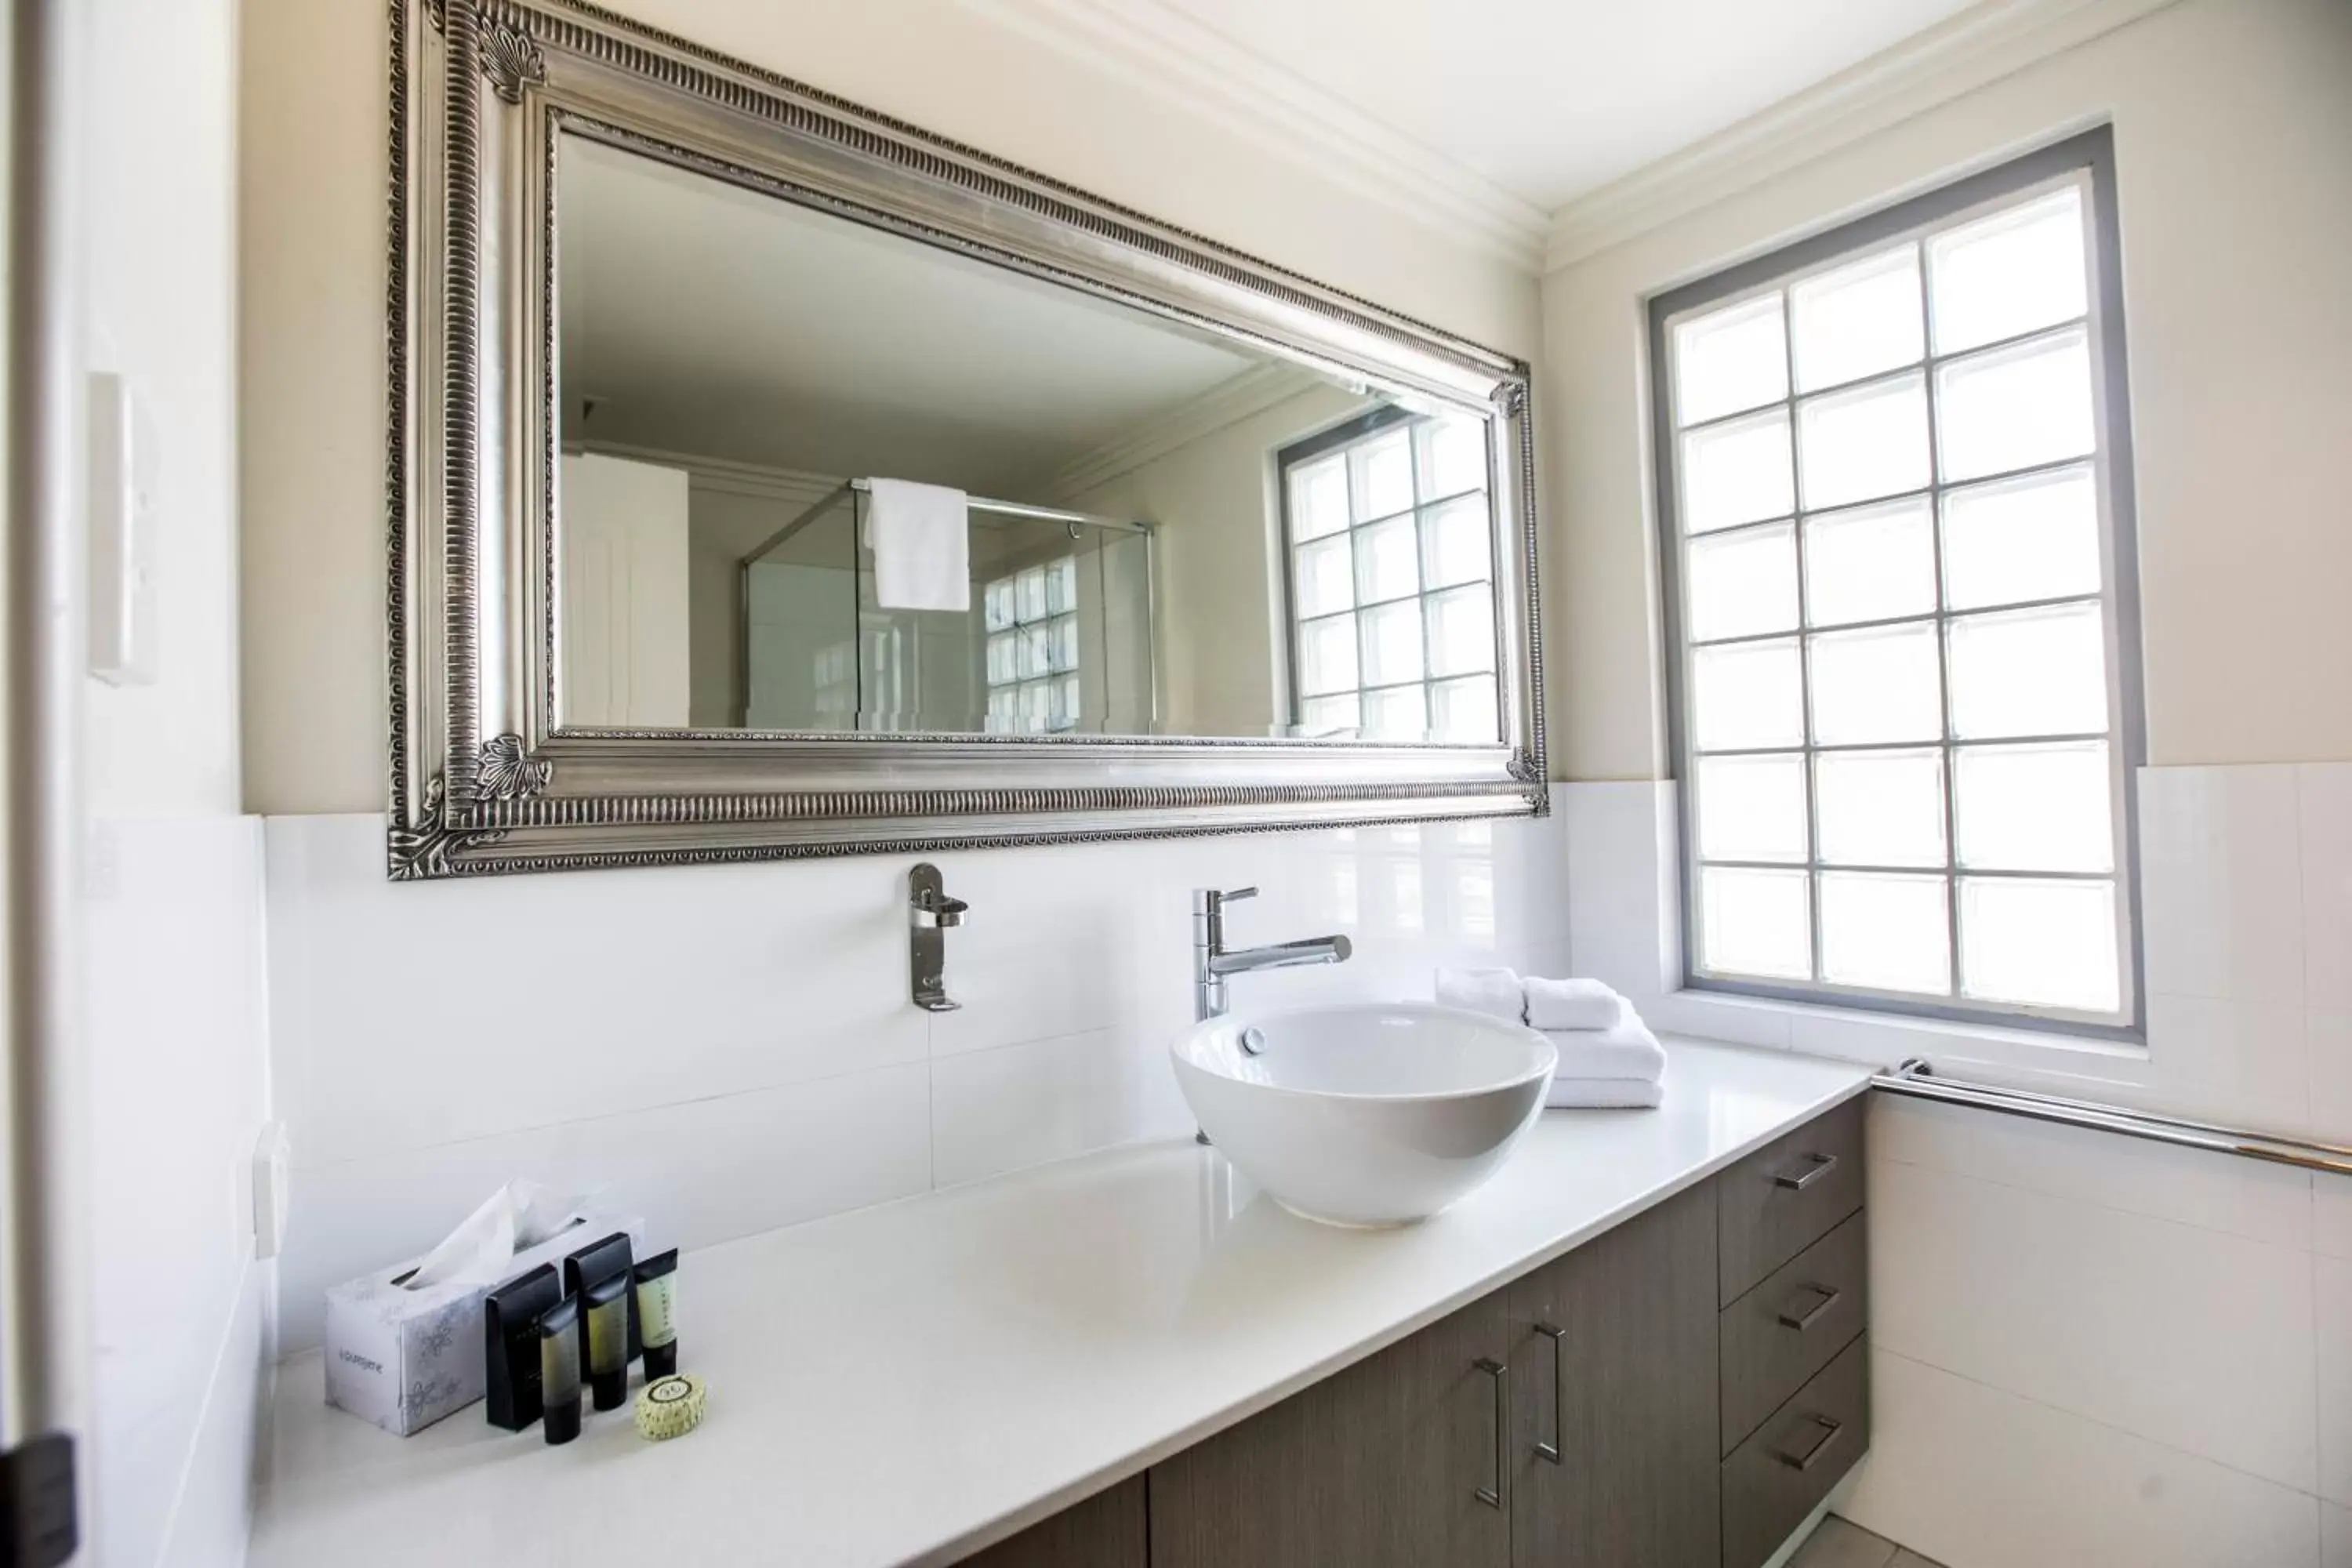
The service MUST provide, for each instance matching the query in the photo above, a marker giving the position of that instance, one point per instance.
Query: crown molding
(1156, 48)
(1957, 56)
(1229, 402)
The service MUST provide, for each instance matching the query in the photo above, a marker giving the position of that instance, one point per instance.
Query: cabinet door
(1613, 1370)
(1396, 1462)
(1105, 1530)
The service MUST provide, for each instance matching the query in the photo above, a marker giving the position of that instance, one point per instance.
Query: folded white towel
(1604, 1093)
(1494, 991)
(1627, 1051)
(1573, 1005)
(921, 539)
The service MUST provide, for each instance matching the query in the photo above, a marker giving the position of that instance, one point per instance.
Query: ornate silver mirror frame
(483, 780)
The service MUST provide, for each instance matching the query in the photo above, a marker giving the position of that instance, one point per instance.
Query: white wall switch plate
(271, 1156)
(122, 492)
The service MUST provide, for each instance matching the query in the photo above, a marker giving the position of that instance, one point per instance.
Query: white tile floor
(1837, 1544)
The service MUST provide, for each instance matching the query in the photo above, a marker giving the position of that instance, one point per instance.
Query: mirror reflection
(816, 476)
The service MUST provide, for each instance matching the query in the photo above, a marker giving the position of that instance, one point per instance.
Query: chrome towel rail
(1917, 1078)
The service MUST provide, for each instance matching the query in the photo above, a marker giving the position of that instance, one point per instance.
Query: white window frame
(2088, 162)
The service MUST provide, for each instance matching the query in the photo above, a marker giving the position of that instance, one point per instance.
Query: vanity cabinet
(1399, 1461)
(1613, 1396)
(1680, 1390)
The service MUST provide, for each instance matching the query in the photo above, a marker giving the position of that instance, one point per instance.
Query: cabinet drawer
(1788, 1328)
(1773, 1481)
(1787, 1195)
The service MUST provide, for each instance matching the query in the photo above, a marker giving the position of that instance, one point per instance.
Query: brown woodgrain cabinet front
(1680, 1391)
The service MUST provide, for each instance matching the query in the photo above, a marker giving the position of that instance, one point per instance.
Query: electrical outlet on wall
(122, 510)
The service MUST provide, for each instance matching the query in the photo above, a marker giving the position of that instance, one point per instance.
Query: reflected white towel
(1604, 1093)
(1627, 1051)
(921, 539)
(1573, 1005)
(1494, 992)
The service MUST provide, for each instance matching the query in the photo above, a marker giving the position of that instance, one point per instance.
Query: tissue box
(403, 1359)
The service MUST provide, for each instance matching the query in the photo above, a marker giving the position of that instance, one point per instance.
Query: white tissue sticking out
(516, 1218)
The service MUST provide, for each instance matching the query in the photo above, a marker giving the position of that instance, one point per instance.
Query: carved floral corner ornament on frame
(485, 775)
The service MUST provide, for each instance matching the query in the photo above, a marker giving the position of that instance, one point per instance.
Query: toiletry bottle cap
(670, 1407)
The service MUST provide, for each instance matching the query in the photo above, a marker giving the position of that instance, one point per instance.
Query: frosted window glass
(1860, 444)
(1873, 564)
(1737, 473)
(1452, 457)
(1729, 359)
(2039, 943)
(2017, 540)
(1462, 631)
(1743, 584)
(1751, 809)
(1396, 714)
(1386, 567)
(1328, 716)
(1455, 543)
(1464, 711)
(1327, 655)
(997, 605)
(1325, 577)
(1859, 320)
(2030, 672)
(2035, 808)
(1875, 686)
(1379, 476)
(1881, 809)
(1755, 922)
(2015, 407)
(1319, 496)
(1030, 594)
(2008, 273)
(1391, 644)
(1746, 696)
(1886, 933)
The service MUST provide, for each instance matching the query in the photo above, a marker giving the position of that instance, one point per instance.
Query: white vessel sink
(1377, 1114)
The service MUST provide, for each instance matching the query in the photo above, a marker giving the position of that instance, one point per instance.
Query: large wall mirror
(771, 479)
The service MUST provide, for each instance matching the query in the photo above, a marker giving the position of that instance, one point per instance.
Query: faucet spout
(1213, 961)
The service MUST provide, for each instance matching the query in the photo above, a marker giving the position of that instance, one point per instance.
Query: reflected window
(1894, 469)
(1032, 621)
(1389, 549)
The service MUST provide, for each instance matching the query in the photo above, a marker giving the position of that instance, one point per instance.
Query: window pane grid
(1829, 882)
(1401, 586)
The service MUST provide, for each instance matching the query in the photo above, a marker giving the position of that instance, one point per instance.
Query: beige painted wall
(313, 236)
(2233, 147)
(1220, 609)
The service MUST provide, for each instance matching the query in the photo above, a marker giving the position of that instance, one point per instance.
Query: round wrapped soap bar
(670, 1407)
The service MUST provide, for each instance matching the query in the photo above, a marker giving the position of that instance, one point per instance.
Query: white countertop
(909, 1383)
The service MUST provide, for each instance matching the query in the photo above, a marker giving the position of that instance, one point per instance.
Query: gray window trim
(2092, 153)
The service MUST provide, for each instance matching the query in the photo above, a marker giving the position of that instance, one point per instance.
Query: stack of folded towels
(1608, 1057)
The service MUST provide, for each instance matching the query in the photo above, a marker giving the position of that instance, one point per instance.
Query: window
(1894, 480)
(1391, 551)
(1031, 620)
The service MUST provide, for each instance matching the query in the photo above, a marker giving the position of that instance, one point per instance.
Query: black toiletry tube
(593, 1262)
(510, 1346)
(559, 1369)
(606, 1305)
(658, 1313)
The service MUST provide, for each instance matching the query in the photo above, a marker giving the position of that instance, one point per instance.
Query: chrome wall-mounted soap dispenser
(930, 913)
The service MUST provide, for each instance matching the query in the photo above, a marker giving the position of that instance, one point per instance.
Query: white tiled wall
(731, 1048)
(2089, 1349)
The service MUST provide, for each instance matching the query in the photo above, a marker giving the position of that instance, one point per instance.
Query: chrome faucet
(1213, 961)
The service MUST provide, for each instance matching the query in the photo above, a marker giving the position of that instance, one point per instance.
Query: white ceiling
(1552, 99)
(709, 319)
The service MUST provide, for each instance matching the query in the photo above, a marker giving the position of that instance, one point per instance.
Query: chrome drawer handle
(1829, 1429)
(1805, 1319)
(1823, 1165)
(1551, 1451)
(1495, 1496)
